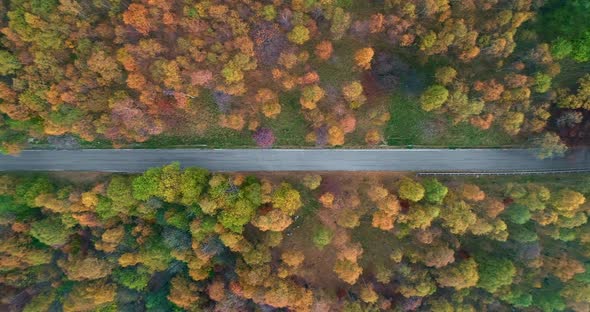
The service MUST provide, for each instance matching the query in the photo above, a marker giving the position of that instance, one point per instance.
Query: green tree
(542, 82)
(322, 237)
(27, 191)
(435, 191)
(561, 48)
(566, 24)
(119, 192)
(192, 185)
(411, 190)
(170, 183)
(548, 300)
(434, 97)
(50, 231)
(147, 184)
(494, 272)
(153, 254)
(105, 209)
(9, 64)
(237, 215)
(461, 107)
(132, 278)
(523, 233)
(518, 298)
(10, 210)
(518, 214)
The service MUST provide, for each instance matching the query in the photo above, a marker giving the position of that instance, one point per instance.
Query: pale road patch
(420, 160)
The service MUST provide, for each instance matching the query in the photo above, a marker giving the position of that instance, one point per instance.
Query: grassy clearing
(374, 254)
(410, 125)
(465, 134)
(339, 68)
(407, 122)
(216, 137)
(290, 126)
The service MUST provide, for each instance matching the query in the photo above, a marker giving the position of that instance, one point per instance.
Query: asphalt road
(421, 160)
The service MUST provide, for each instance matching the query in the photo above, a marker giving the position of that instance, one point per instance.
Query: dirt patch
(433, 129)
(318, 264)
(63, 142)
(79, 178)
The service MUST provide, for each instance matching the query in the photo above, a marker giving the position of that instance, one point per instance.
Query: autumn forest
(111, 73)
(175, 239)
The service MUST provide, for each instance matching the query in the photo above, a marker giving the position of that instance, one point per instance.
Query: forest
(226, 73)
(173, 239)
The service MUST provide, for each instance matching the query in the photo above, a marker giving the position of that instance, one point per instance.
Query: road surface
(421, 160)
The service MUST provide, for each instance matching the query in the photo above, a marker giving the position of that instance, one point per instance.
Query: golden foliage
(368, 294)
(472, 192)
(137, 16)
(275, 220)
(347, 271)
(335, 136)
(183, 292)
(89, 268)
(327, 200)
(363, 58)
(373, 137)
(233, 121)
(293, 258)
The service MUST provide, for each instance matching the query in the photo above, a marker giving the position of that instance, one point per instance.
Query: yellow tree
(335, 136)
(348, 271)
(411, 190)
(90, 296)
(368, 294)
(299, 35)
(459, 275)
(89, 268)
(373, 137)
(353, 93)
(310, 96)
(275, 220)
(269, 100)
(184, 293)
(363, 58)
(293, 258)
(287, 199)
